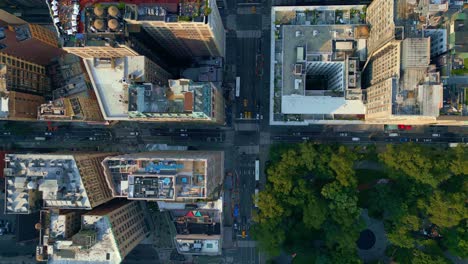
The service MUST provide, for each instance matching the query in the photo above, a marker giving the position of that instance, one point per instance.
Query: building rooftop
(53, 178)
(148, 178)
(122, 93)
(95, 243)
(199, 228)
(109, 79)
(168, 11)
(295, 104)
(316, 60)
(17, 40)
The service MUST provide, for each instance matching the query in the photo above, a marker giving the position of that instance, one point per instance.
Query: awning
(189, 214)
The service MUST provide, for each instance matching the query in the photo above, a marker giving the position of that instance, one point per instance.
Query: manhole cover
(366, 240)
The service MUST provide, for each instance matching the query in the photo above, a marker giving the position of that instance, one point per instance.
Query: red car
(404, 127)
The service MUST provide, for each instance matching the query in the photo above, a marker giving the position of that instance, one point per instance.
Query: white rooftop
(299, 104)
(104, 251)
(109, 80)
(56, 177)
(199, 246)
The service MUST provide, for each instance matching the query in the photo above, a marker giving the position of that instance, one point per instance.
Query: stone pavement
(378, 250)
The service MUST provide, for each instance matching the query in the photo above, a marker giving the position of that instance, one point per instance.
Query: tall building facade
(380, 17)
(401, 84)
(184, 30)
(29, 42)
(23, 106)
(23, 76)
(106, 234)
(89, 52)
(92, 175)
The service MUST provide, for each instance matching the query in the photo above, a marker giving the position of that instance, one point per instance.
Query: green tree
(456, 240)
(417, 162)
(343, 203)
(342, 164)
(315, 212)
(269, 236)
(400, 232)
(445, 210)
(459, 160)
(420, 257)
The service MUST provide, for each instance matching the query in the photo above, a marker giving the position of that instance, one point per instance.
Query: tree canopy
(312, 202)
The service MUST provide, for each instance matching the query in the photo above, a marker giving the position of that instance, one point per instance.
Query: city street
(244, 141)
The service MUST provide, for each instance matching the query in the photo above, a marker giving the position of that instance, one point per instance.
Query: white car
(92, 138)
(355, 139)
(184, 135)
(134, 133)
(436, 135)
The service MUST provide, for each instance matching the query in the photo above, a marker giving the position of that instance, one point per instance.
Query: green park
(402, 203)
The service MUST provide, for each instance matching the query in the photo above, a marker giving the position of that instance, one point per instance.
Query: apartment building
(23, 76)
(173, 176)
(186, 29)
(29, 42)
(381, 19)
(107, 234)
(74, 108)
(60, 181)
(22, 106)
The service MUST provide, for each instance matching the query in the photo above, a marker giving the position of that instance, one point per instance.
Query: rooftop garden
(192, 9)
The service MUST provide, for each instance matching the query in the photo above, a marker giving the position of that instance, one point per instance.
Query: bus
(257, 170)
(237, 86)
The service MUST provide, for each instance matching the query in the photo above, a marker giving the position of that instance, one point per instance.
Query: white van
(355, 139)
(393, 135)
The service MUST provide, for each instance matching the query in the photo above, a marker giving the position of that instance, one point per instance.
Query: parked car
(404, 139)
(48, 133)
(427, 140)
(343, 134)
(184, 135)
(393, 135)
(355, 139)
(436, 135)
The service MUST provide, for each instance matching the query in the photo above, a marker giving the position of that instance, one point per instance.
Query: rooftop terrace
(109, 78)
(169, 11)
(156, 178)
(55, 178)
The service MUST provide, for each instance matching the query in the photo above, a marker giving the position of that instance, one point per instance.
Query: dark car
(404, 139)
